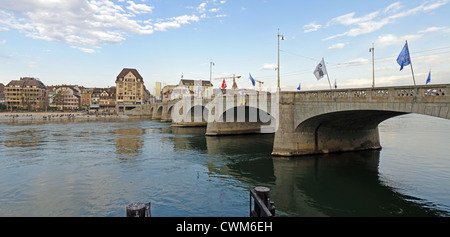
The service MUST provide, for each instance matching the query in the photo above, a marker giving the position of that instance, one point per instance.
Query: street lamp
(211, 63)
(282, 38)
(373, 65)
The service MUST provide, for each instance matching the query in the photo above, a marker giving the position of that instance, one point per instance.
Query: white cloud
(139, 8)
(86, 50)
(175, 22)
(372, 21)
(268, 66)
(390, 39)
(311, 27)
(89, 23)
(394, 7)
(435, 5)
(433, 29)
(349, 19)
(337, 46)
(202, 7)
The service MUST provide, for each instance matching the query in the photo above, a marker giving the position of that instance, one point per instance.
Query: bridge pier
(157, 112)
(232, 128)
(317, 140)
(166, 116)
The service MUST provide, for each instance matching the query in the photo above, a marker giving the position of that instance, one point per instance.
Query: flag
(335, 84)
(429, 78)
(321, 70)
(403, 58)
(299, 86)
(224, 85)
(251, 79)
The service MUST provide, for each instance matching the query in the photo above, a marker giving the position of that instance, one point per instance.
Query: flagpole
(412, 72)
(210, 70)
(327, 74)
(328, 77)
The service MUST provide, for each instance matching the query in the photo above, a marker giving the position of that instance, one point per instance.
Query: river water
(97, 168)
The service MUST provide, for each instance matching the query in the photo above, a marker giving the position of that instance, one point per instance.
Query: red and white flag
(224, 85)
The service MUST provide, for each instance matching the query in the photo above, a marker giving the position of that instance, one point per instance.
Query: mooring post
(139, 210)
(263, 199)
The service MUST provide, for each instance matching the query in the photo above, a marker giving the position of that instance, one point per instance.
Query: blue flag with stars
(403, 58)
(429, 78)
(299, 86)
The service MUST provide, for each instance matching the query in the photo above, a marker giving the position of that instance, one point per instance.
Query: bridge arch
(315, 122)
(245, 113)
(241, 119)
(196, 115)
(157, 112)
(343, 130)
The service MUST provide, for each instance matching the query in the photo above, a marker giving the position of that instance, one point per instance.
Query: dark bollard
(138, 210)
(263, 206)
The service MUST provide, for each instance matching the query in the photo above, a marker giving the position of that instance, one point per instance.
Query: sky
(88, 42)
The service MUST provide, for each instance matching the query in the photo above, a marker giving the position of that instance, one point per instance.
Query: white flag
(321, 70)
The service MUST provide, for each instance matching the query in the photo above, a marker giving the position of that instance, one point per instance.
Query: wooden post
(138, 210)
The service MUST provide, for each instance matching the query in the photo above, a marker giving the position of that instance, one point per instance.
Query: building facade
(107, 100)
(65, 97)
(2, 95)
(129, 90)
(27, 93)
(85, 98)
(198, 88)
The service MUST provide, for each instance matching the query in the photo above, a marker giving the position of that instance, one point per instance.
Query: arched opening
(198, 114)
(159, 111)
(342, 131)
(242, 120)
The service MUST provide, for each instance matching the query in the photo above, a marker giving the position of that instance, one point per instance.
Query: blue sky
(88, 42)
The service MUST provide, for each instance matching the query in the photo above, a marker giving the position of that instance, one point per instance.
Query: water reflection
(342, 184)
(97, 168)
(24, 138)
(345, 184)
(128, 140)
(189, 138)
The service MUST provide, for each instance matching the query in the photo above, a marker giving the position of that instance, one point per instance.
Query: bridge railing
(425, 93)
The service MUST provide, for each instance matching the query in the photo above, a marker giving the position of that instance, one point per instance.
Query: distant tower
(157, 89)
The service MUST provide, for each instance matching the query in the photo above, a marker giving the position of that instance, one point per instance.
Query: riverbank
(56, 116)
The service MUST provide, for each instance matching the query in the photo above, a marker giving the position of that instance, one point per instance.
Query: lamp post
(210, 70)
(373, 65)
(278, 69)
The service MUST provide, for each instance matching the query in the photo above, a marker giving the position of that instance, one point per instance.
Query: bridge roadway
(307, 122)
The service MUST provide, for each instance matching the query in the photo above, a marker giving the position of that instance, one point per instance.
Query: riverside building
(130, 91)
(27, 93)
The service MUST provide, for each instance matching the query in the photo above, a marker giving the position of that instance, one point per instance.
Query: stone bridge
(307, 122)
(326, 121)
